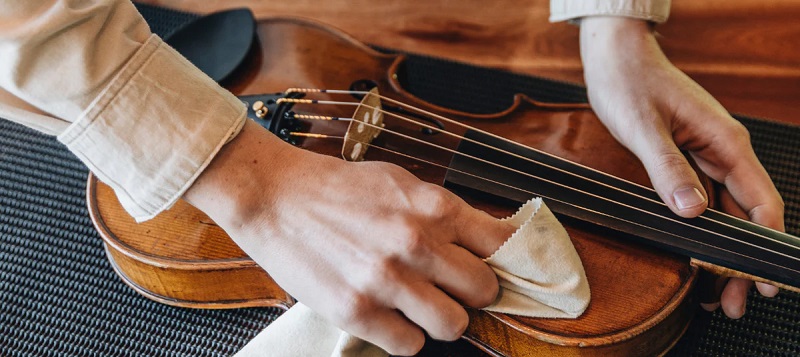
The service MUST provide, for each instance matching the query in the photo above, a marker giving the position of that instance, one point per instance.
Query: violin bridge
(366, 125)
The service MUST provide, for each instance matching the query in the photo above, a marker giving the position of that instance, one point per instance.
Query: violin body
(641, 296)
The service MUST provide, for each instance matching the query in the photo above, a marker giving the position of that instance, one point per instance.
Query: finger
(432, 310)
(754, 192)
(729, 204)
(465, 277)
(734, 297)
(387, 329)
(732, 161)
(479, 232)
(710, 307)
(767, 290)
(709, 287)
(732, 207)
(673, 178)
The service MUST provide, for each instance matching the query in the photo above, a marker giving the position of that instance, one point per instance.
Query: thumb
(673, 178)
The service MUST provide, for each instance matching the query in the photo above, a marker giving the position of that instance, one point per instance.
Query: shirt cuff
(153, 130)
(651, 10)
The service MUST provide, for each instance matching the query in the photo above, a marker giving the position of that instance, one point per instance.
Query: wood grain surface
(744, 52)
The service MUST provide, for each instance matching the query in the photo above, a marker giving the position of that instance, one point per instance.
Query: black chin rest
(216, 43)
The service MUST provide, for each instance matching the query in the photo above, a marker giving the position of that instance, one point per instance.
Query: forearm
(59, 55)
(659, 113)
(138, 114)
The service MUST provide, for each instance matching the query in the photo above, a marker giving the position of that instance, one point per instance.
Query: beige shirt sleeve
(652, 10)
(138, 114)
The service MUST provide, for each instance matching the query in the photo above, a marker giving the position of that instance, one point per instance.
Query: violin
(642, 261)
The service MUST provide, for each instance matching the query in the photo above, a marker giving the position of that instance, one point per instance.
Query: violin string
(527, 191)
(795, 246)
(455, 152)
(310, 101)
(314, 101)
(430, 127)
(533, 194)
(315, 135)
(321, 117)
(456, 123)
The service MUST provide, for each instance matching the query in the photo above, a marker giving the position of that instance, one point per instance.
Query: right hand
(367, 245)
(657, 111)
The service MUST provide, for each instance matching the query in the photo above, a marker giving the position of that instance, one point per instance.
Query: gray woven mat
(58, 295)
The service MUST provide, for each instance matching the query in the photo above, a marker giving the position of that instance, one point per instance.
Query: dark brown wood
(500, 337)
(637, 292)
(743, 52)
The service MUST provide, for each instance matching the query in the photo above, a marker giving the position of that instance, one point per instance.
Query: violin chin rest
(216, 43)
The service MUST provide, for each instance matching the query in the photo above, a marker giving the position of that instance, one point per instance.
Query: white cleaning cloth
(539, 271)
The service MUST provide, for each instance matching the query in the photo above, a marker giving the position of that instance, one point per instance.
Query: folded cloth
(539, 271)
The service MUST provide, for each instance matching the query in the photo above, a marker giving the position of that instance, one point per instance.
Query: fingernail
(767, 290)
(688, 197)
(710, 307)
(742, 310)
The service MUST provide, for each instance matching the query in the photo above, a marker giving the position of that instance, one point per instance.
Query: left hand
(656, 111)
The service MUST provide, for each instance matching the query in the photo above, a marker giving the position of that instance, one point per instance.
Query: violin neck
(519, 173)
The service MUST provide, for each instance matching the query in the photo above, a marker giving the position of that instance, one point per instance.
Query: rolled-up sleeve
(652, 10)
(138, 114)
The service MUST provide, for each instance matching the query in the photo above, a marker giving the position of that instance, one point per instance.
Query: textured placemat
(58, 295)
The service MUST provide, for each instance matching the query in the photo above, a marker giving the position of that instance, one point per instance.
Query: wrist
(253, 162)
(603, 37)
(617, 47)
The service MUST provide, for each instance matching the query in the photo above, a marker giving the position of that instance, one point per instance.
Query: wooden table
(745, 52)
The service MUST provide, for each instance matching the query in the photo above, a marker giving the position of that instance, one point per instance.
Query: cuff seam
(557, 17)
(229, 135)
(78, 135)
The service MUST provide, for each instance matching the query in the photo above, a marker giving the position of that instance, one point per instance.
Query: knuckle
(382, 272)
(436, 201)
(454, 323)
(736, 132)
(381, 165)
(355, 310)
(393, 170)
(777, 203)
(487, 295)
(410, 347)
(412, 241)
(415, 244)
(670, 160)
(768, 211)
(483, 289)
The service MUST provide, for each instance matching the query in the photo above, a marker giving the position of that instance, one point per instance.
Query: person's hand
(656, 111)
(367, 245)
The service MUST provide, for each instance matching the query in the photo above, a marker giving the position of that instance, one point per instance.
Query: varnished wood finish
(635, 290)
(744, 52)
(496, 336)
(190, 265)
